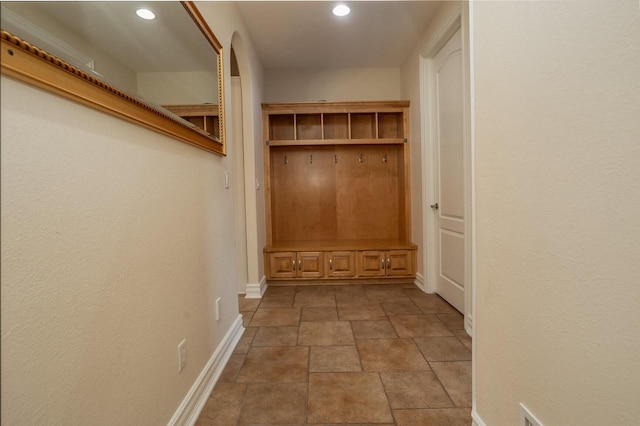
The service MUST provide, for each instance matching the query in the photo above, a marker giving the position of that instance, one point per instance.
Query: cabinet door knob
(382, 264)
(300, 265)
(293, 265)
(330, 264)
(388, 263)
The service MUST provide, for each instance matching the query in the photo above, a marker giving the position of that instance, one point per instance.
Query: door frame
(457, 18)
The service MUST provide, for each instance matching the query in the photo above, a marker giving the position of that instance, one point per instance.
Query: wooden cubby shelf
(337, 192)
(204, 116)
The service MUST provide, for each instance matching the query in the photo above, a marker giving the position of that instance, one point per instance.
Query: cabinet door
(310, 264)
(399, 263)
(371, 263)
(341, 264)
(282, 265)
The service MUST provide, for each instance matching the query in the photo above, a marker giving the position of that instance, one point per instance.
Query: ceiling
(302, 35)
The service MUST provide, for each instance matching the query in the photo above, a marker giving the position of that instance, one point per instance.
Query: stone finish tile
(452, 321)
(319, 314)
(276, 336)
(400, 308)
(276, 317)
(432, 304)
(277, 302)
(343, 299)
(317, 300)
(416, 389)
(456, 379)
(443, 349)
(391, 355)
(275, 364)
(347, 398)
(246, 318)
(325, 333)
(274, 403)
(437, 417)
(334, 359)
(326, 290)
(247, 305)
(383, 295)
(380, 329)
(279, 291)
(232, 368)
(419, 326)
(364, 311)
(223, 406)
(464, 338)
(245, 341)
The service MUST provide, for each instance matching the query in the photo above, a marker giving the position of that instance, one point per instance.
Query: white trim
(419, 281)
(444, 32)
(477, 420)
(256, 291)
(193, 403)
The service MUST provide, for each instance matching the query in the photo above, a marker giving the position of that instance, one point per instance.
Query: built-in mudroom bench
(337, 192)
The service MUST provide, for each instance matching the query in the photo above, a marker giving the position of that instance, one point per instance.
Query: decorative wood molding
(31, 65)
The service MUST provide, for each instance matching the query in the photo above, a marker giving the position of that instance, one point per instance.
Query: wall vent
(527, 418)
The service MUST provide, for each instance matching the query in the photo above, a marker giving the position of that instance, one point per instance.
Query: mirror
(165, 73)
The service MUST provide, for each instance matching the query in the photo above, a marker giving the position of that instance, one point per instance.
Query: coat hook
(384, 159)
(361, 159)
(311, 159)
(335, 158)
(286, 160)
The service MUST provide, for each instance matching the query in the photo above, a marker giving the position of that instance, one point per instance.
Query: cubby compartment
(336, 126)
(308, 126)
(281, 127)
(363, 125)
(390, 125)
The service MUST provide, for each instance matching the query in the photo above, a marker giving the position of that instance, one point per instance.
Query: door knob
(434, 206)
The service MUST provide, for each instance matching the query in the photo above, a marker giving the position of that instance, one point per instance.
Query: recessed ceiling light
(146, 14)
(341, 10)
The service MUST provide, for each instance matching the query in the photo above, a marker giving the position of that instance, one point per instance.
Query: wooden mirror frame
(29, 64)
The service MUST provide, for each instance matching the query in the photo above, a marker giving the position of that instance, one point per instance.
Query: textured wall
(115, 243)
(349, 84)
(410, 73)
(558, 230)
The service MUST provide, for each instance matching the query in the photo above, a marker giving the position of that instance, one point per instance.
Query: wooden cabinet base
(341, 261)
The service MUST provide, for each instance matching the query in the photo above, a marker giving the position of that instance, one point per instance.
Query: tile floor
(361, 354)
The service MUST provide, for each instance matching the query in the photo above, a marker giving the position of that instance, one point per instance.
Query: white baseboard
(468, 324)
(255, 291)
(419, 281)
(190, 408)
(477, 420)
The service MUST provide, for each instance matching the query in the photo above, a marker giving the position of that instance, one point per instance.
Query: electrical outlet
(527, 418)
(218, 308)
(226, 179)
(182, 355)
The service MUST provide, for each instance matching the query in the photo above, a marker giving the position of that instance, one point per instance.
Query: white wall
(348, 84)
(558, 228)
(410, 89)
(224, 18)
(115, 243)
(115, 72)
(178, 88)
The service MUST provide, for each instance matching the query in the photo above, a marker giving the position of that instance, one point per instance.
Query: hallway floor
(363, 354)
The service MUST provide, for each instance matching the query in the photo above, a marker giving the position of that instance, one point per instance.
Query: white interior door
(449, 168)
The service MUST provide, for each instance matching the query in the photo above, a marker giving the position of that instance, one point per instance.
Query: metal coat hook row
(286, 160)
(361, 159)
(311, 159)
(335, 158)
(384, 159)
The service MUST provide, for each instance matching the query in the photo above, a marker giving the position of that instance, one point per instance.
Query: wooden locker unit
(337, 190)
